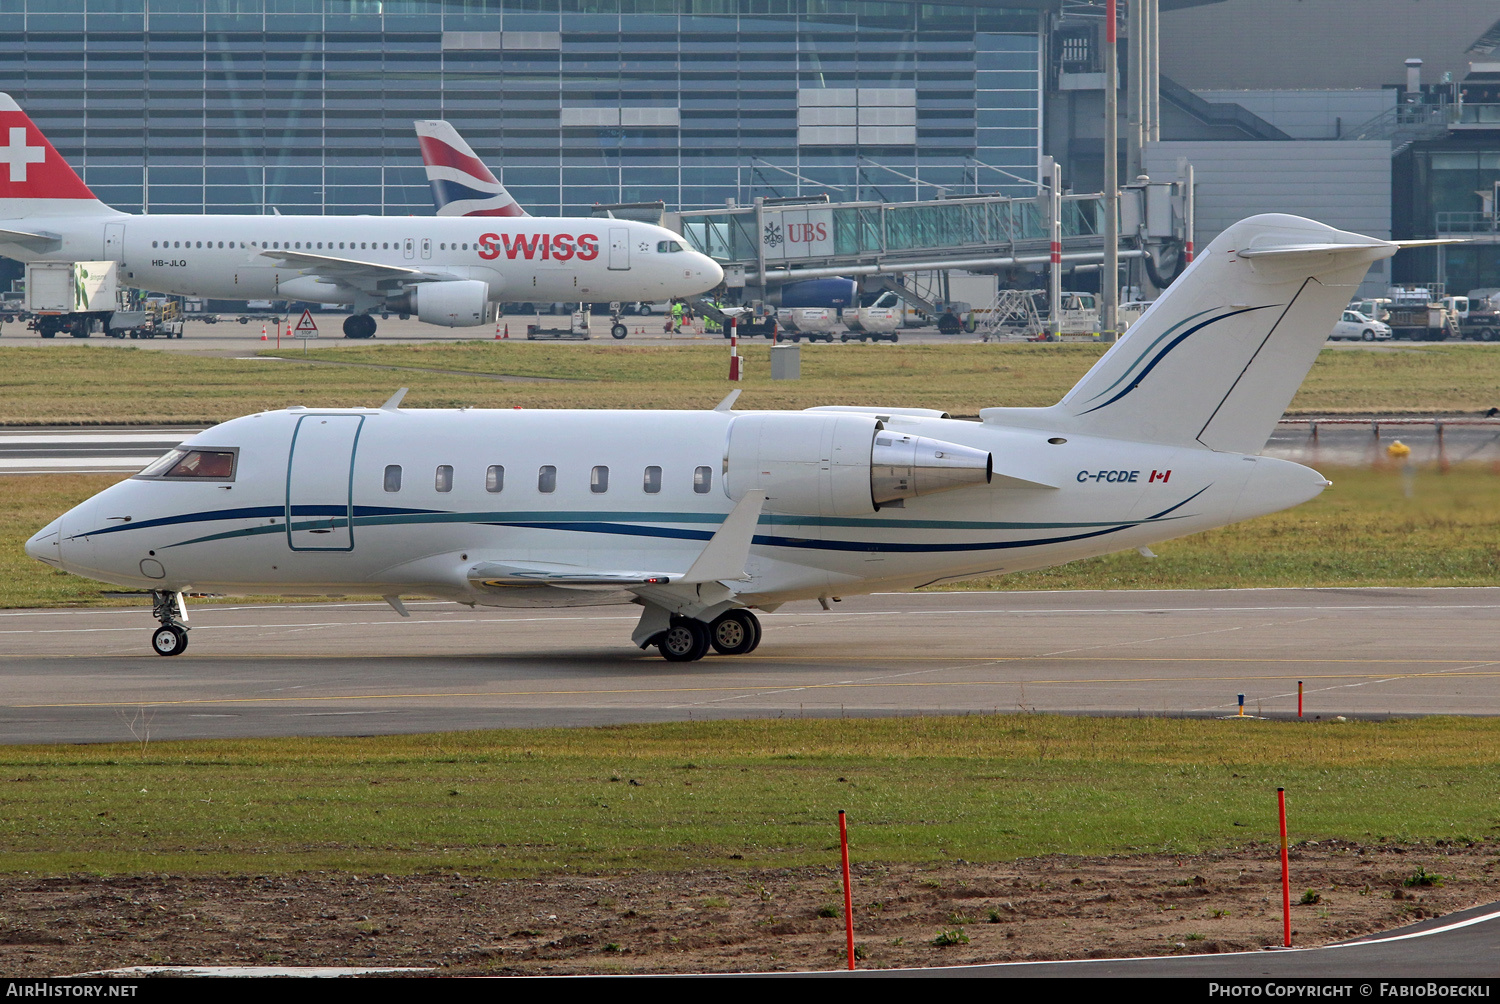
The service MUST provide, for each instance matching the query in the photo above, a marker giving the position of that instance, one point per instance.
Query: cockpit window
(664, 247)
(198, 465)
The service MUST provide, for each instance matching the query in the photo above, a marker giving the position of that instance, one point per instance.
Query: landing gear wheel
(169, 640)
(686, 640)
(359, 326)
(618, 331)
(734, 633)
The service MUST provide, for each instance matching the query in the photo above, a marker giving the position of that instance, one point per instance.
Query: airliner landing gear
(168, 607)
(687, 640)
(736, 632)
(359, 326)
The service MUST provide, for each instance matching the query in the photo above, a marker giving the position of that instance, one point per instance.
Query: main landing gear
(359, 326)
(168, 607)
(736, 632)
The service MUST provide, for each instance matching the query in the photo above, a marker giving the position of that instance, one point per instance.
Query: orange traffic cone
(262, 332)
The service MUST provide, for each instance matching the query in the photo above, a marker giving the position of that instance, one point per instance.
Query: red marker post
(1299, 698)
(1286, 880)
(848, 897)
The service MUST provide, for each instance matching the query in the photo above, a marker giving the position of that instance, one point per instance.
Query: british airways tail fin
(34, 179)
(1216, 359)
(461, 184)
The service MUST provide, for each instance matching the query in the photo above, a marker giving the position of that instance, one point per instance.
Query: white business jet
(443, 270)
(701, 517)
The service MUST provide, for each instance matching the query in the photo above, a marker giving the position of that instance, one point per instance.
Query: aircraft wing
(349, 268)
(508, 574)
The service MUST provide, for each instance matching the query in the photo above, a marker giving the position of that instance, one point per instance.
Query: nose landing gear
(169, 608)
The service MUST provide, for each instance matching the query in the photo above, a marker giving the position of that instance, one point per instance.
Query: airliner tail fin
(1217, 358)
(34, 178)
(461, 184)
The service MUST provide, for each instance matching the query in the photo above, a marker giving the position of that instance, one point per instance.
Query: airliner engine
(458, 304)
(842, 465)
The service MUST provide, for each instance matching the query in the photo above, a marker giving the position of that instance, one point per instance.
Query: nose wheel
(169, 640)
(169, 608)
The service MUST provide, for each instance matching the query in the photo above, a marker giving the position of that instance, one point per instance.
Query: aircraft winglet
(395, 401)
(725, 554)
(728, 403)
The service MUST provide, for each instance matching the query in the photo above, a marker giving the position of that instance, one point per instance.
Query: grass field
(104, 384)
(1364, 531)
(740, 794)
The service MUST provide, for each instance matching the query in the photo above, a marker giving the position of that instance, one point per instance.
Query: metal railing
(1467, 223)
(871, 230)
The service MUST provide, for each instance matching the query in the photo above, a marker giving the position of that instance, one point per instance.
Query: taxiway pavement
(357, 668)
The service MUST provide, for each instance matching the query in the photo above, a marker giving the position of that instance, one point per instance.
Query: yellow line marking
(718, 689)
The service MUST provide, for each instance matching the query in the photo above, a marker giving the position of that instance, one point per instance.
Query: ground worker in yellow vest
(676, 317)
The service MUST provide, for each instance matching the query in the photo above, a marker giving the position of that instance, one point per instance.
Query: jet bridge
(776, 241)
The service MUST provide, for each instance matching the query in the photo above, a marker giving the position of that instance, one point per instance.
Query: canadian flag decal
(1161, 476)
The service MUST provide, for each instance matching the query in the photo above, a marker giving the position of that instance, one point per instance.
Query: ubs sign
(796, 233)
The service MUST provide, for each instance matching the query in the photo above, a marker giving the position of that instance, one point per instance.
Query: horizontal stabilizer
(31, 241)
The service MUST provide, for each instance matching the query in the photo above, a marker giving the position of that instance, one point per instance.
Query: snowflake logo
(772, 237)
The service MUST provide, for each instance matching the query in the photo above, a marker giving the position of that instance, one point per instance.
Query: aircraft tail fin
(1217, 358)
(34, 178)
(461, 184)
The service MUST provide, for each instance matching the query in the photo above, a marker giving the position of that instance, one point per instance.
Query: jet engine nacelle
(841, 465)
(457, 304)
(830, 292)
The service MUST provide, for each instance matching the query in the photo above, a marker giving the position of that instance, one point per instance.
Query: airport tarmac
(357, 668)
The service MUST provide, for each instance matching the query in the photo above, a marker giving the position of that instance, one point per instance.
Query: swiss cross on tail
(1161, 476)
(29, 167)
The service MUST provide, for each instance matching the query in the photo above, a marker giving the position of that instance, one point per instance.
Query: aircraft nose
(712, 271)
(46, 544)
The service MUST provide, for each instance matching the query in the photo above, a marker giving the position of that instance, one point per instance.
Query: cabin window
(702, 478)
(204, 465)
(494, 478)
(466, 245)
(393, 478)
(153, 244)
(443, 481)
(652, 480)
(546, 480)
(442, 247)
(599, 480)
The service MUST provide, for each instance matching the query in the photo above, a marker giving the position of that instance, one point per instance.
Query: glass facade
(306, 106)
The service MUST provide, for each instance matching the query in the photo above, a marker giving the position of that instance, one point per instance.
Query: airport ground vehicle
(699, 518)
(1477, 317)
(1354, 326)
(877, 318)
(84, 298)
(1415, 313)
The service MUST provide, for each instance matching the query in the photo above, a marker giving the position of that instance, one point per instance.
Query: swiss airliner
(445, 270)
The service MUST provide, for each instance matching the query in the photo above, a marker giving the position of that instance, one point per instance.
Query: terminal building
(306, 106)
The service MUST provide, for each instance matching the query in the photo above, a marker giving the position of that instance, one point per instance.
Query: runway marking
(673, 690)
